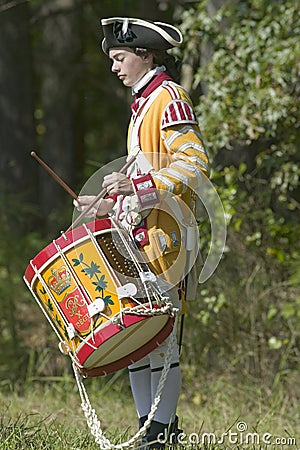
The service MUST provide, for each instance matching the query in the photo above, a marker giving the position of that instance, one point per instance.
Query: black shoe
(142, 420)
(158, 434)
(174, 432)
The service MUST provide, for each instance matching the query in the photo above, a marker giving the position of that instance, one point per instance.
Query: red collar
(154, 83)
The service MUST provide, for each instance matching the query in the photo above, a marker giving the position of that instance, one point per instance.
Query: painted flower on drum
(78, 261)
(108, 300)
(92, 269)
(100, 284)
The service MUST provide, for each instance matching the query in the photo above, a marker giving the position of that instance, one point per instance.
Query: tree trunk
(17, 169)
(60, 98)
(18, 172)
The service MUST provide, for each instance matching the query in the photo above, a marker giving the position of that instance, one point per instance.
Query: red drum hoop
(93, 297)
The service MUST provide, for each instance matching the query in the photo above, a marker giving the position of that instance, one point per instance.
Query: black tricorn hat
(132, 32)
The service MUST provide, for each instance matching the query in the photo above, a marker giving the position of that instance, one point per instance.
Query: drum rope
(131, 254)
(138, 311)
(94, 423)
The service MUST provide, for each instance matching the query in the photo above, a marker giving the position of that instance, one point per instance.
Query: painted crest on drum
(72, 304)
(72, 299)
(74, 307)
(60, 280)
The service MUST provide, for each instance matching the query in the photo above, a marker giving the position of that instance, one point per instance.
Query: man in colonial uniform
(155, 200)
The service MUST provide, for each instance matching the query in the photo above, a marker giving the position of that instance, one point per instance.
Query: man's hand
(117, 183)
(101, 208)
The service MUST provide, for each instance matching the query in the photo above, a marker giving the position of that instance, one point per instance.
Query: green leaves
(100, 284)
(77, 261)
(247, 76)
(251, 77)
(92, 270)
(107, 300)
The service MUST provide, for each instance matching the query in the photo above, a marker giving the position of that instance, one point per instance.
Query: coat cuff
(145, 189)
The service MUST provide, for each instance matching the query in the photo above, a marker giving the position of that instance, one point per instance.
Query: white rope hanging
(94, 423)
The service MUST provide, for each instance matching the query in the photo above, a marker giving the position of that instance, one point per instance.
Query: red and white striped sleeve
(183, 140)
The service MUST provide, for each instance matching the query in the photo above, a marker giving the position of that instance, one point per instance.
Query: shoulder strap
(138, 119)
(142, 162)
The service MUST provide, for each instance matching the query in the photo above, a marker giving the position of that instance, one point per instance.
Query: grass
(46, 414)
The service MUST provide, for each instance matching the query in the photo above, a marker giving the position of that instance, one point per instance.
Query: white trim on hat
(162, 32)
(152, 25)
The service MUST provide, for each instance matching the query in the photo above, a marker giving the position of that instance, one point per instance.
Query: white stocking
(166, 410)
(144, 376)
(140, 381)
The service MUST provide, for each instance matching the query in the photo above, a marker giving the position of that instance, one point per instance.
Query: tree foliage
(248, 73)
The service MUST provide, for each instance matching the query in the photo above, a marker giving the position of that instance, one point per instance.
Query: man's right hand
(101, 208)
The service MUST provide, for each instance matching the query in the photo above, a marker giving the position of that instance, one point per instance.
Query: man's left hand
(117, 183)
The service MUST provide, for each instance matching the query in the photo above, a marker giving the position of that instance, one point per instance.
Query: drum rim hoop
(50, 252)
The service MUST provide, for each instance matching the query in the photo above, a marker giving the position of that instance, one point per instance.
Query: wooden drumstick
(55, 176)
(100, 195)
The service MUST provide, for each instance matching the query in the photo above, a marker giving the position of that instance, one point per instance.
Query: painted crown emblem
(60, 280)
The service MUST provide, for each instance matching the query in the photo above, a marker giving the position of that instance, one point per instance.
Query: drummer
(171, 163)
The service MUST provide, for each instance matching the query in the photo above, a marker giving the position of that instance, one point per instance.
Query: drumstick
(100, 195)
(54, 175)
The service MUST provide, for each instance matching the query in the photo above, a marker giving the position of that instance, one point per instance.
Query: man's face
(128, 66)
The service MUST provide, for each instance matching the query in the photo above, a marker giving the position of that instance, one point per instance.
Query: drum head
(118, 349)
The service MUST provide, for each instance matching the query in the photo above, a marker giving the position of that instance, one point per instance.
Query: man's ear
(148, 57)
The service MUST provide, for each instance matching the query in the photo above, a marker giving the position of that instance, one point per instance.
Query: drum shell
(70, 274)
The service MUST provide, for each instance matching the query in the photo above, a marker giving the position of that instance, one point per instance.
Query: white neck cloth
(146, 78)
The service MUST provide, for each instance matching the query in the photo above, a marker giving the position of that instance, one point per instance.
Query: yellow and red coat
(169, 136)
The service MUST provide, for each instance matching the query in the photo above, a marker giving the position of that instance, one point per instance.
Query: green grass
(46, 414)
